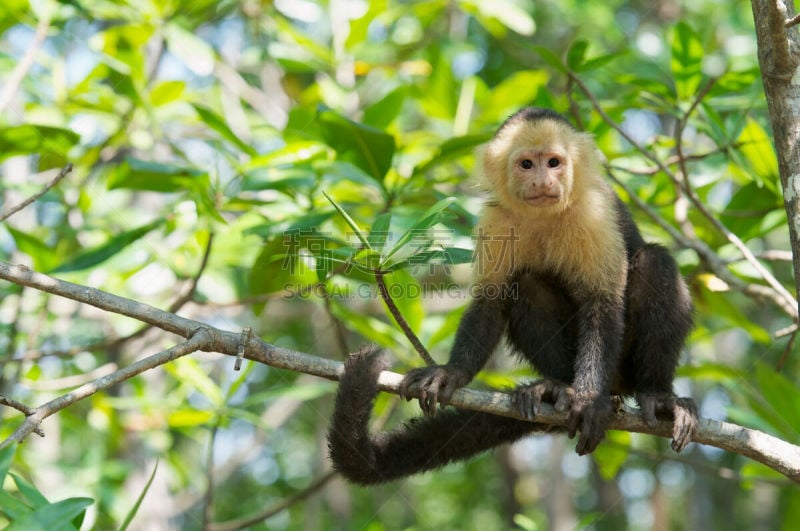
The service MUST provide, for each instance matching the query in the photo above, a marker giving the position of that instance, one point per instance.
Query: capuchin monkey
(562, 272)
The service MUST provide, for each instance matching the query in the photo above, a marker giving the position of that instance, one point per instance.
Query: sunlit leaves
(51, 144)
(368, 148)
(196, 54)
(138, 174)
(101, 253)
(687, 61)
(218, 124)
(514, 92)
(759, 153)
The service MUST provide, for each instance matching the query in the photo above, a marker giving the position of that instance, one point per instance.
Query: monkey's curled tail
(422, 444)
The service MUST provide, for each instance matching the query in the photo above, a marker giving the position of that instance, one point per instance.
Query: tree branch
(18, 74)
(767, 449)
(57, 179)
(778, 59)
(198, 340)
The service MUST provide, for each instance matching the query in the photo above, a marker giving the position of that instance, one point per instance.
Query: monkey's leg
(658, 320)
(478, 334)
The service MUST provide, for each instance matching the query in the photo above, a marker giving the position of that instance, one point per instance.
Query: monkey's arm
(478, 334)
(599, 344)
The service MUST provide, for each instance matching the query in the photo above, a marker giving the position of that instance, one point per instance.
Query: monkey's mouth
(541, 199)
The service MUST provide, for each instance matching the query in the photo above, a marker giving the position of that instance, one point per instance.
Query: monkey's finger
(591, 434)
(446, 393)
(573, 422)
(648, 407)
(425, 392)
(563, 397)
(525, 404)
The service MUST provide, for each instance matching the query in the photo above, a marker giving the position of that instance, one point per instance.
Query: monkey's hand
(436, 383)
(682, 410)
(528, 397)
(591, 414)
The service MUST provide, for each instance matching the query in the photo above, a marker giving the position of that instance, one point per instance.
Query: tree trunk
(779, 59)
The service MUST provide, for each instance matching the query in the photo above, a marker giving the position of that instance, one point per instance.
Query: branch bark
(775, 453)
(779, 60)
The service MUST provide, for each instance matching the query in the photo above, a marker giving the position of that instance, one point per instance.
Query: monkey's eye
(553, 162)
(526, 164)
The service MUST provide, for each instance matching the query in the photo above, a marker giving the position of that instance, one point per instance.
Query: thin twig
(282, 505)
(400, 320)
(186, 297)
(790, 23)
(19, 406)
(14, 80)
(57, 179)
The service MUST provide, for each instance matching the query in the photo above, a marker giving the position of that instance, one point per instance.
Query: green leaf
(452, 149)
(135, 509)
(103, 252)
(167, 92)
(687, 61)
(218, 124)
(352, 224)
(713, 372)
(54, 517)
(194, 52)
(279, 266)
(517, 90)
(612, 453)
(188, 371)
(35, 498)
(6, 457)
(432, 216)
(137, 174)
(51, 144)
(292, 153)
(550, 58)
(748, 214)
(303, 224)
(379, 231)
(449, 326)
(782, 395)
(44, 258)
(576, 54)
(758, 151)
(364, 146)
(189, 418)
(445, 256)
(383, 112)
(598, 62)
(372, 329)
(510, 14)
(437, 97)
(12, 507)
(297, 391)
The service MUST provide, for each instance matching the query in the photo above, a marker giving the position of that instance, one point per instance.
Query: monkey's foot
(435, 384)
(528, 397)
(682, 410)
(590, 413)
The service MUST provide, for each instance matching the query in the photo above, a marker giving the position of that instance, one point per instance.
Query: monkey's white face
(539, 177)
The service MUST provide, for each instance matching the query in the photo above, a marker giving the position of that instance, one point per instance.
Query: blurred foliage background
(203, 135)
